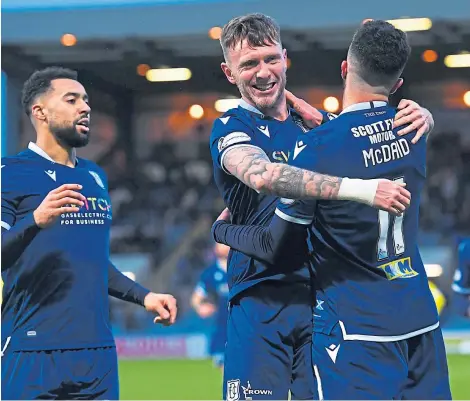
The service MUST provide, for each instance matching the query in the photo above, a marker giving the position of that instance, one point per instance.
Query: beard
(69, 135)
(263, 103)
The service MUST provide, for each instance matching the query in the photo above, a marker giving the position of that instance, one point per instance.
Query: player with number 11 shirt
(376, 327)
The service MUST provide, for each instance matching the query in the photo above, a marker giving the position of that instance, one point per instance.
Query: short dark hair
(40, 82)
(380, 52)
(258, 29)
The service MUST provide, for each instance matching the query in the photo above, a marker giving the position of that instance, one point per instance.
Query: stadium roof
(112, 41)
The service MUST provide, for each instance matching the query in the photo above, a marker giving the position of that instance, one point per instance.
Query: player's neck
(353, 95)
(57, 152)
(279, 111)
(354, 98)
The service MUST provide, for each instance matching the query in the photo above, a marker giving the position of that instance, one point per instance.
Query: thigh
(258, 359)
(303, 381)
(428, 377)
(357, 370)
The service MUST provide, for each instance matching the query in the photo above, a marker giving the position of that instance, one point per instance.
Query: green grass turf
(200, 380)
(169, 380)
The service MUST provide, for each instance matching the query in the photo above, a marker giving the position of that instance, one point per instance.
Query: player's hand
(162, 304)
(64, 199)
(419, 119)
(224, 216)
(310, 115)
(206, 310)
(392, 197)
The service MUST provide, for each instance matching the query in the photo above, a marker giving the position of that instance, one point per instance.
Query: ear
(38, 113)
(228, 73)
(284, 54)
(344, 69)
(396, 86)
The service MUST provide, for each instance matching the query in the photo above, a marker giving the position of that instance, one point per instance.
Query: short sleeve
(228, 132)
(296, 211)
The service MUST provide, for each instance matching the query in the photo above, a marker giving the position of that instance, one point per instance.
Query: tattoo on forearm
(253, 167)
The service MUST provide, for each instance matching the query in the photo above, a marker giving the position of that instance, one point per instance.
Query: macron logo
(51, 174)
(265, 130)
(224, 119)
(333, 351)
(299, 146)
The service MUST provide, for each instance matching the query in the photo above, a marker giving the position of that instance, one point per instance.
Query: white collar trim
(36, 149)
(364, 106)
(247, 106)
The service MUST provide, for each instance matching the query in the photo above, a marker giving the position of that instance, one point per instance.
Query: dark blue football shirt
(370, 276)
(55, 291)
(246, 126)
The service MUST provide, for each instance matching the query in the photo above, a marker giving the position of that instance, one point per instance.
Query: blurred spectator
(445, 204)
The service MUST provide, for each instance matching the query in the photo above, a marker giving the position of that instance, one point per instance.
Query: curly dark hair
(258, 29)
(380, 52)
(40, 82)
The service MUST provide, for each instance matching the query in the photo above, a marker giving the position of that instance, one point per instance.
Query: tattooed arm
(252, 166)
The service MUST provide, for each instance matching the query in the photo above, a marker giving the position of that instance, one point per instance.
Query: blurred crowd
(158, 200)
(445, 204)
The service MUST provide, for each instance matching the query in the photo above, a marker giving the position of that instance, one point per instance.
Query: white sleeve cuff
(290, 219)
(5, 225)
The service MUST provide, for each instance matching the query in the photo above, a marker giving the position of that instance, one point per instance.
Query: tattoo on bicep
(252, 166)
(247, 163)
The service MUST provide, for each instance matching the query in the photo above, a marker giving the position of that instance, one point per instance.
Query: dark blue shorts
(268, 349)
(60, 374)
(414, 368)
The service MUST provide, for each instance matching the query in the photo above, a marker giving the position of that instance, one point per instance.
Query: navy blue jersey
(245, 126)
(369, 271)
(461, 284)
(213, 285)
(55, 292)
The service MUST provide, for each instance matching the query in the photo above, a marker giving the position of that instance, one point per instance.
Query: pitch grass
(200, 380)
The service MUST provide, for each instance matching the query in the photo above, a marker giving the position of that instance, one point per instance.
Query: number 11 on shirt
(385, 220)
